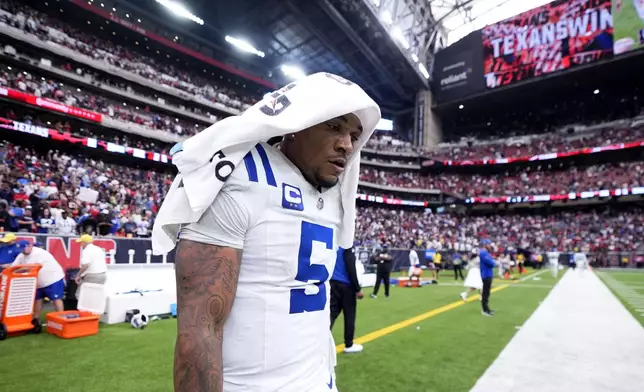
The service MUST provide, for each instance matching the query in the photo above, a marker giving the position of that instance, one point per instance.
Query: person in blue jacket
(487, 274)
(345, 291)
(8, 249)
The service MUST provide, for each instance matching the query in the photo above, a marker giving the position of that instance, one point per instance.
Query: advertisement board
(550, 38)
(628, 20)
(88, 142)
(458, 69)
(51, 105)
(67, 251)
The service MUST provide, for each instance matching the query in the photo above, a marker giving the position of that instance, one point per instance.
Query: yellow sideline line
(405, 323)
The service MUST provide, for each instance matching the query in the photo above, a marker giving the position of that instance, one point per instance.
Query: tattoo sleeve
(206, 285)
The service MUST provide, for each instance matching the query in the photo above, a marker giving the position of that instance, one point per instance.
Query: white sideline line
(562, 346)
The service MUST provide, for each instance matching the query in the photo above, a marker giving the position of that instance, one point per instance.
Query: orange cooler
(17, 295)
(83, 322)
(72, 324)
(408, 283)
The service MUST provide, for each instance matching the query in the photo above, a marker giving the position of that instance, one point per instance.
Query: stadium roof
(379, 44)
(315, 35)
(461, 17)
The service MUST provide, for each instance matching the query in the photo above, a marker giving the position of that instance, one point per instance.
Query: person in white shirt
(93, 266)
(553, 261)
(413, 262)
(473, 281)
(142, 227)
(51, 277)
(581, 261)
(65, 225)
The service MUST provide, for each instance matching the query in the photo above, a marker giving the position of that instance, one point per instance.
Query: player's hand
(359, 295)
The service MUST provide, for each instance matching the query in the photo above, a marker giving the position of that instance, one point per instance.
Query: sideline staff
(384, 261)
(345, 289)
(8, 250)
(51, 277)
(93, 267)
(487, 274)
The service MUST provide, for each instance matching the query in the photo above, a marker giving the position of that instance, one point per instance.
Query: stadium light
(414, 57)
(180, 10)
(293, 72)
(385, 125)
(423, 70)
(386, 17)
(461, 106)
(244, 46)
(397, 34)
(596, 91)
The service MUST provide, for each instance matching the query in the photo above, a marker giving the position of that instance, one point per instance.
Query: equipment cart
(17, 294)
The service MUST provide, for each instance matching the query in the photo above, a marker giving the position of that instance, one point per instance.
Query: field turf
(627, 23)
(447, 351)
(628, 287)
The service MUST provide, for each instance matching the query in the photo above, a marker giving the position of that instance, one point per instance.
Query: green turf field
(628, 287)
(627, 23)
(446, 352)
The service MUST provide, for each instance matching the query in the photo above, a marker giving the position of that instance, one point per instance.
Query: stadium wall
(138, 251)
(118, 250)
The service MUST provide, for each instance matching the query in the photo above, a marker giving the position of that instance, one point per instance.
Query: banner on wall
(89, 142)
(554, 37)
(67, 251)
(51, 105)
(457, 69)
(628, 20)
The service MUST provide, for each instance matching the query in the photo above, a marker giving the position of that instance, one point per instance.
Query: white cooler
(148, 302)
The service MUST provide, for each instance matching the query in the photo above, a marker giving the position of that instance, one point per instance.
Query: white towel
(205, 160)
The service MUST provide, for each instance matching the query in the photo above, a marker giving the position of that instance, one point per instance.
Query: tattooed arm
(206, 284)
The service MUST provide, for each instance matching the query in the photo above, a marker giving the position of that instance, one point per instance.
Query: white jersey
(50, 273)
(580, 258)
(277, 336)
(413, 258)
(553, 257)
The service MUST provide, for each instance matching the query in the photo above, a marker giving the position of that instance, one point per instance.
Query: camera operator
(383, 260)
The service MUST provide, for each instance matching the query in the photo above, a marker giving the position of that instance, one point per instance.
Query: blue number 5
(307, 272)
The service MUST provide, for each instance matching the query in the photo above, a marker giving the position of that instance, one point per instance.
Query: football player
(253, 272)
(581, 260)
(553, 261)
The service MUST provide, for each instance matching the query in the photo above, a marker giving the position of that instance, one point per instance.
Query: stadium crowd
(164, 73)
(543, 144)
(46, 28)
(60, 193)
(574, 179)
(622, 231)
(55, 90)
(37, 188)
(81, 130)
(473, 149)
